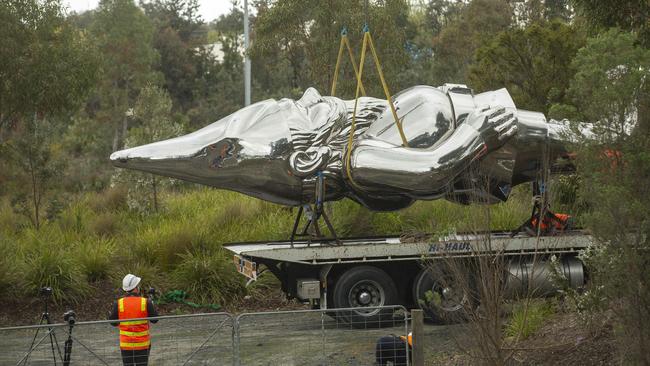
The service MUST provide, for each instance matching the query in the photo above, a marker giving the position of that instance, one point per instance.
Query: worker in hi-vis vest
(135, 340)
(391, 350)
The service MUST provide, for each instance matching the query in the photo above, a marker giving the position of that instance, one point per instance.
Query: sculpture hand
(495, 125)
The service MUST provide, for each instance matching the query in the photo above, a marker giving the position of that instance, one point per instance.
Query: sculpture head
(246, 151)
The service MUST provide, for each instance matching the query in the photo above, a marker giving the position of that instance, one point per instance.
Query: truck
(397, 270)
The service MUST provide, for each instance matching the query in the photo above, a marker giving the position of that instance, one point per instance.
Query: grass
(97, 238)
(528, 316)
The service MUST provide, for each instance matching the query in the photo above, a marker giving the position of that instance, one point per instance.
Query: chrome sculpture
(277, 150)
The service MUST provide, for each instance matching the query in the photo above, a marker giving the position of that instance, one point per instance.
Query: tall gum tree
(125, 39)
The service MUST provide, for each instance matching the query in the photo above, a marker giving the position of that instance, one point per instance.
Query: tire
(365, 286)
(443, 299)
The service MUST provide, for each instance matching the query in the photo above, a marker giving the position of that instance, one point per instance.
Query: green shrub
(8, 268)
(209, 278)
(163, 243)
(175, 240)
(111, 199)
(74, 218)
(47, 264)
(105, 224)
(96, 258)
(10, 222)
(528, 317)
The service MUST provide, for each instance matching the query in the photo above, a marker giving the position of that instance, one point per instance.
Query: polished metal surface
(274, 150)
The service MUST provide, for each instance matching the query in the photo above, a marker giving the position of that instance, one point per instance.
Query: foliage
(178, 33)
(35, 168)
(305, 35)
(95, 258)
(48, 263)
(152, 113)
(207, 279)
(531, 63)
(626, 14)
(528, 317)
(38, 48)
(8, 271)
(124, 36)
(614, 166)
(607, 87)
(454, 47)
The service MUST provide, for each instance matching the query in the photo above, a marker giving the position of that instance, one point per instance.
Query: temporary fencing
(193, 339)
(302, 337)
(318, 337)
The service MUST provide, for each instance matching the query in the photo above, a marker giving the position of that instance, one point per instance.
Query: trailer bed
(395, 248)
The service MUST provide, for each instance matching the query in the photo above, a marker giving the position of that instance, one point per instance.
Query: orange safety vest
(134, 335)
(558, 222)
(408, 338)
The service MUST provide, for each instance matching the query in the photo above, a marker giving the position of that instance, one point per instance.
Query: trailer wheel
(443, 298)
(365, 286)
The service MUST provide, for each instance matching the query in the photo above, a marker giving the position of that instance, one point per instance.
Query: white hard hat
(130, 282)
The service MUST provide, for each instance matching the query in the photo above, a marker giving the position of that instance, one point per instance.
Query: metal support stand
(313, 214)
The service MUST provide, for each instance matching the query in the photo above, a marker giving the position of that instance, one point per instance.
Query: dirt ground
(562, 340)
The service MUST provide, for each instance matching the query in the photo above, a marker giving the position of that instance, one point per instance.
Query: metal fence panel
(303, 337)
(316, 337)
(196, 339)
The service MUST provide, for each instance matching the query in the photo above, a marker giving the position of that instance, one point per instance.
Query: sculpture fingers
(509, 133)
(496, 111)
(505, 122)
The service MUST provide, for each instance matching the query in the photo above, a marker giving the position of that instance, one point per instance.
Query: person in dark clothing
(135, 340)
(391, 350)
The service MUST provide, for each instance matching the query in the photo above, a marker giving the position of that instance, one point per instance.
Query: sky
(209, 9)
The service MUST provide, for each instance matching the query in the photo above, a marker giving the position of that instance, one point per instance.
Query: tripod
(46, 293)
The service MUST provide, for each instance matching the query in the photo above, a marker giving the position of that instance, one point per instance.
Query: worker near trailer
(135, 340)
(391, 350)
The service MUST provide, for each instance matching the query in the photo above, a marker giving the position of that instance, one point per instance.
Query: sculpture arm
(376, 165)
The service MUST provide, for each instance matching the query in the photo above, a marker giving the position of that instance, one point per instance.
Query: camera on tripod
(70, 317)
(45, 291)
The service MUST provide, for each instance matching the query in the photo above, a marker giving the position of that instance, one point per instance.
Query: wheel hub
(366, 293)
(365, 298)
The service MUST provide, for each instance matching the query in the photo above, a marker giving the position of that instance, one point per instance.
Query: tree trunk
(35, 195)
(155, 194)
(116, 139)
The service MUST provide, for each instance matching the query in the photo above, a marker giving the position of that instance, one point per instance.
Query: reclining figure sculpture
(277, 150)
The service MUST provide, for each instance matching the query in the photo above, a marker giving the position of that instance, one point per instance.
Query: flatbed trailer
(375, 271)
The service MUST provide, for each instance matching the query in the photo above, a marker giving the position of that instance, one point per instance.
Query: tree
(528, 12)
(34, 168)
(38, 48)
(179, 37)
(39, 89)
(532, 63)
(614, 166)
(125, 40)
(631, 15)
(152, 113)
(454, 47)
(607, 86)
(306, 35)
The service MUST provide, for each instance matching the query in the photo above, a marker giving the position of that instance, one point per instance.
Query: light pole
(247, 60)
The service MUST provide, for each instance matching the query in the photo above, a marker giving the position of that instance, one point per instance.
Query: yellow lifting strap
(367, 40)
(345, 42)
